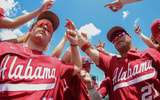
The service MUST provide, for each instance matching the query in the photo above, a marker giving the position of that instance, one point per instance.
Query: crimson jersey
(1, 13)
(64, 93)
(134, 77)
(74, 89)
(27, 74)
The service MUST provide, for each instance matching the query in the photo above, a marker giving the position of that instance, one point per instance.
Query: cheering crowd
(26, 73)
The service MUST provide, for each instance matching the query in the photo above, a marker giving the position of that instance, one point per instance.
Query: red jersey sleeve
(66, 70)
(104, 63)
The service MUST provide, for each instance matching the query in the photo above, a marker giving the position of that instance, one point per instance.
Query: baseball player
(18, 21)
(134, 75)
(155, 38)
(26, 73)
(118, 4)
(73, 88)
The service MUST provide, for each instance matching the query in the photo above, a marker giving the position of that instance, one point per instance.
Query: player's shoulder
(7, 44)
(149, 50)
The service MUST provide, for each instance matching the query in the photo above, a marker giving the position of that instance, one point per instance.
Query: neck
(124, 53)
(34, 46)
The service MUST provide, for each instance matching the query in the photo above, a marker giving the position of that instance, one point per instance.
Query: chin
(121, 47)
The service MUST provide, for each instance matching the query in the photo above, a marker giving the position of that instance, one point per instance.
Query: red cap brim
(50, 16)
(112, 30)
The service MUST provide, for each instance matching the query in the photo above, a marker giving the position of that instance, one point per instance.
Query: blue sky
(89, 16)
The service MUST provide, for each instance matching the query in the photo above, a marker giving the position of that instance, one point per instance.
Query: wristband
(86, 46)
(73, 44)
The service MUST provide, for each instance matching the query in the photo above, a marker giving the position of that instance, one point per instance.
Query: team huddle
(26, 73)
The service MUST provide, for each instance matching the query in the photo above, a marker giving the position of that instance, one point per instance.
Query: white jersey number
(147, 95)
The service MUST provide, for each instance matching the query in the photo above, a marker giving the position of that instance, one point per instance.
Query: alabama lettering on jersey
(134, 77)
(27, 74)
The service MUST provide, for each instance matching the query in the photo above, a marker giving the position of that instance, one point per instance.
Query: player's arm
(59, 48)
(145, 39)
(84, 44)
(92, 91)
(75, 54)
(16, 22)
(118, 4)
(20, 39)
(128, 1)
(67, 55)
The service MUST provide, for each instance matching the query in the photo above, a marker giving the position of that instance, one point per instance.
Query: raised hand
(137, 30)
(70, 25)
(71, 36)
(114, 6)
(100, 46)
(84, 35)
(47, 5)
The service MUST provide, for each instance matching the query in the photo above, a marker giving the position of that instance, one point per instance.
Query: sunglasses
(117, 34)
(86, 61)
(45, 25)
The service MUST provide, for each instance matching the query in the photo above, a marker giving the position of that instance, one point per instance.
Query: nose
(45, 27)
(115, 39)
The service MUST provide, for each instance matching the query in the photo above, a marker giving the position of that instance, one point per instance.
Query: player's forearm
(147, 41)
(128, 1)
(18, 21)
(87, 47)
(76, 59)
(20, 39)
(58, 50)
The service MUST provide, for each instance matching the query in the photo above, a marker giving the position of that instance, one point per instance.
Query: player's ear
(30, 30)
(130, 37)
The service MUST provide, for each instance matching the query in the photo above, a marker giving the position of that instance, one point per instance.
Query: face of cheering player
(86, 64)
(86, 67)
(121, 41)
(41, 32)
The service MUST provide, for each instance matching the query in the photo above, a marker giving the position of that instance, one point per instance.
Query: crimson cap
(155, 27)
(50, 16)
(86, 60)
(112, 30)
